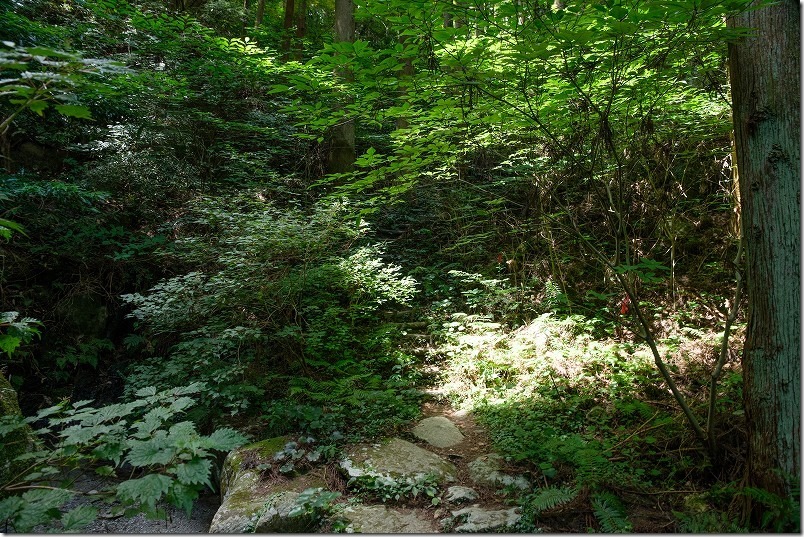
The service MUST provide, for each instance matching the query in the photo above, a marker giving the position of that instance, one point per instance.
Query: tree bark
(287, 26)
(764, 71)
(342, 141)
(301, 30)
(404, 76)
(260, 13)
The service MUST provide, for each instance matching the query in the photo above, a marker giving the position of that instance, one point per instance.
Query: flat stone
(382, 519)
(458, 494)
(478, 520)
(486, 470)
(396, 459)
(438, 431)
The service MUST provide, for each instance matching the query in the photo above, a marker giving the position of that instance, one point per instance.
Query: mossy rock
(16, 442)
(252, 503)
(249, 456)
(396, 459)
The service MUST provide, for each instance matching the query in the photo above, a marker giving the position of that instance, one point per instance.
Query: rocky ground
(439, 477)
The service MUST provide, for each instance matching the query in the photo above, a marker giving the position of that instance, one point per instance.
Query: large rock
(458, 494)
(382, 519)
(438, 431)
(487, 470)
(251, 504)
(395, 459)
(16, 442)
(478, 520)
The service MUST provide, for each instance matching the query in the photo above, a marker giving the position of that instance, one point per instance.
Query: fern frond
(551, 497)
(610, 513)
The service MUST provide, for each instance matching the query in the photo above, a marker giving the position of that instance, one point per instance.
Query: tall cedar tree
(766, 89)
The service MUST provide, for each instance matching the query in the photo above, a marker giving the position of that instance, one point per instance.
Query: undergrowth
(590, 419)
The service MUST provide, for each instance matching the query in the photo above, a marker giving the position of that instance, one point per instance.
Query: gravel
(176, 521)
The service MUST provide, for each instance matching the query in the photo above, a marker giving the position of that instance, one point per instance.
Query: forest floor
(542, 391)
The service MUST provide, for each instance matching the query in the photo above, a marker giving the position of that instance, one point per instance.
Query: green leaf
(105, 471)
(183, 497)
(10, 507)
(610, 513)
(224, 439)
(73, 110)
(10, 424)
(181, 403)
(78, 518)
(53, 53)
(152, 420)
(146, 392)
(278, 88)
(11, 225)
(40, 506)
(9, 344)
(146, 490)
(78, 434)
(38, 106)
(197, 471)
(550, 497)
(112, 451)
(152, 451)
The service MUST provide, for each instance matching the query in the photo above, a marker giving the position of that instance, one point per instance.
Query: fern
(351, 390)
(592, 467)
(779, 514)
(610, 513)
(708, 522)
(551, 497)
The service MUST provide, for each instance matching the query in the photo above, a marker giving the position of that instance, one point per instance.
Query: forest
(573, 224)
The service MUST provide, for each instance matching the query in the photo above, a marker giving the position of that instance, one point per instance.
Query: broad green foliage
(500, 145)
(7, 227)
(285, 291)
(580, 412)
(316, 501)
(15, 331)
(150, 456)
(38, 78)
(543, 108)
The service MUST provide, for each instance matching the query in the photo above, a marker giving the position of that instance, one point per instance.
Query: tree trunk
(342, 142)
(287, 26)
(246, 6)
(301, 30)
(404, 76)
(764, 71)
(260, 13)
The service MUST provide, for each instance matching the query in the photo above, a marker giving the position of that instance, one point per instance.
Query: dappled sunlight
(583, 412)
(323, 220)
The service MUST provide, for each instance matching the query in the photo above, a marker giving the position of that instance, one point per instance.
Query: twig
(638, 429)
(724, 350)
